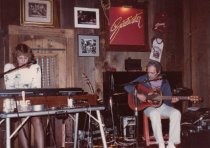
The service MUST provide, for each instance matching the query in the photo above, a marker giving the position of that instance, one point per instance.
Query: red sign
(126, 26)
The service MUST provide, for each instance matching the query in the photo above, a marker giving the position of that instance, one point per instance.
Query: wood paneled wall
(177, 52)
(61, 46)
(197, 47)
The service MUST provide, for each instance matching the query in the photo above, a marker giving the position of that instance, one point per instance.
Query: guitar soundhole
(155, 102)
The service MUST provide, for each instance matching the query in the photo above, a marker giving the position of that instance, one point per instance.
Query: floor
(195, 140)
(120, 143)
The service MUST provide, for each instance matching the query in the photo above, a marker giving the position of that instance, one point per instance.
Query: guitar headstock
(195, 99)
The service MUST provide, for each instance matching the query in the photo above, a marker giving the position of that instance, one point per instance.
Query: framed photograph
(86, 17)
(88, 45)
(37, 12)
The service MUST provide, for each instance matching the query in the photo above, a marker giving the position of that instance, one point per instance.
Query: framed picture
(86, 17)
(157, 49)
(37, 12)
(88, 45)
(128, 28)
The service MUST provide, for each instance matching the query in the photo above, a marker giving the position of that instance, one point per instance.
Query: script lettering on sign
(121, 23)
(126, 26)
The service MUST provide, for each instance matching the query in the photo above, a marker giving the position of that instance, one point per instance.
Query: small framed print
(86, 17)
(37, 13)
(88, 45)
(157, 49)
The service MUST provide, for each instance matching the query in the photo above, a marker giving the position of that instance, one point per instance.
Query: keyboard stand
(7, 117)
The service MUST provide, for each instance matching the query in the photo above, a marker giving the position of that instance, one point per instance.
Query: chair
(147, 137)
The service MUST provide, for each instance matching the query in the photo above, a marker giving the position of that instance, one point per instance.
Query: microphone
(159, 77)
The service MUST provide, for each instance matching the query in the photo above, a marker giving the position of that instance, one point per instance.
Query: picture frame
(128, 29)
(86, 17)
(88, 45)
(156, 49)
(37, 13)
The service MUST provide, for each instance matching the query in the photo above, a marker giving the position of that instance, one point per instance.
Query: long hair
(156, 64)
(22, 49)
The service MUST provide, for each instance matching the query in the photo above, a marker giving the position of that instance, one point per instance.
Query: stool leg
(146, 130)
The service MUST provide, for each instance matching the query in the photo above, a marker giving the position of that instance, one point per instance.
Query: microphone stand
(136, 114)
(113, 123)
(18, 67)
(111, 108)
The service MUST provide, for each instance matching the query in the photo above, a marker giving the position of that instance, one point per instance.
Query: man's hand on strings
(141, 97)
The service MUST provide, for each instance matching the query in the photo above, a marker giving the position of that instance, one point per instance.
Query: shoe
(170, 145)
(161, 145)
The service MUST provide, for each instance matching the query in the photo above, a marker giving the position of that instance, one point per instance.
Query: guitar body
(141, 105)
(149, 93)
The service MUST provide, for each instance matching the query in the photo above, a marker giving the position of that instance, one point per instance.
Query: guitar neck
(179, 97)
(189, 98)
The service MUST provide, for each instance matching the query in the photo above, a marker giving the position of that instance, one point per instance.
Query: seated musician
(151, 81)
(28, 76)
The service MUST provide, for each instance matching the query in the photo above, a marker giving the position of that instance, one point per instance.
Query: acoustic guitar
(154, 98)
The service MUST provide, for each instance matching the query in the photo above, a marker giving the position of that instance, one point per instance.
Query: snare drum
(9, 105)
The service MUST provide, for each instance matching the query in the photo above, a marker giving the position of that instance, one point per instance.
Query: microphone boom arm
(18, 67)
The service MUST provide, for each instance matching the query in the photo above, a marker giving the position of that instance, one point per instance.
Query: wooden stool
(150, 139)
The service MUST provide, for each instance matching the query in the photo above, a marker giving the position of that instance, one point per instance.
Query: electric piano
(41, 92)
(55, 101)
(50, 97)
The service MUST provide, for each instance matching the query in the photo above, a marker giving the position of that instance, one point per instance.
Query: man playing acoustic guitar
(153, 81)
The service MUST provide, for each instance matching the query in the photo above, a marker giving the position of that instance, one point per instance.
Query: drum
(9, 105)
(196, 121)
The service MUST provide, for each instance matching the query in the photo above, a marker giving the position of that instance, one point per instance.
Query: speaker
(129, 123)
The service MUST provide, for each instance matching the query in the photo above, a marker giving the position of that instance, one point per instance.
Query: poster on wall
(127, 30)
(157, 49)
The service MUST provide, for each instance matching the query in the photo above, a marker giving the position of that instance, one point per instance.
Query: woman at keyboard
(27, 74)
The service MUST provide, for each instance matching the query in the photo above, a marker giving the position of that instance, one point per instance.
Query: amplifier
(128, 124)
(133, 64)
